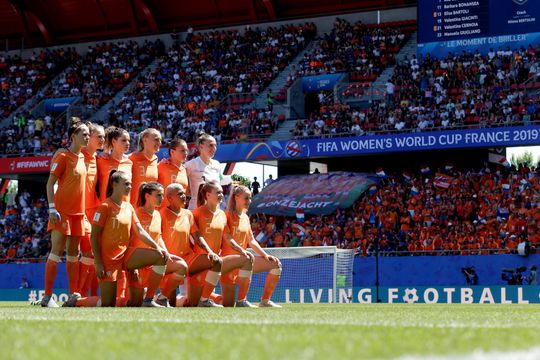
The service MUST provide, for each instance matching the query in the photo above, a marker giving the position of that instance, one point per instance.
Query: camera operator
(471, 277)
(533, 276)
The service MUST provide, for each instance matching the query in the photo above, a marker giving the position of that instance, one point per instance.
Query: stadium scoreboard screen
(446, 26)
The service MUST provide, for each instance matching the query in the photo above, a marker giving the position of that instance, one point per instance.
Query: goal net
(310, 275)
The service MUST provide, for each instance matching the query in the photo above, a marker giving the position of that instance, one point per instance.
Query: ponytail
(147, 188)
(204, 189)
(235, 190)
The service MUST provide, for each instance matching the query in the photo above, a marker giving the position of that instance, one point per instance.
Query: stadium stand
(20, 79)
(465, 90)
(445, 212)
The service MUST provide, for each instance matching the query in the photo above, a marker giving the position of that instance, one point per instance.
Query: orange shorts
(69, 225)
(190, 258)
(142, 281)
(113, 268)
(230, 277)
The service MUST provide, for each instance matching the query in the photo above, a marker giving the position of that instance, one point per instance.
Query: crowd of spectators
(361, 49)
(457, 91)
(23, 227)
(183, 95)
(21, 79)
(443, 211)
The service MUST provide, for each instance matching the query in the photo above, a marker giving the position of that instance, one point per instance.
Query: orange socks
(270, 285)
(72, 267)
(244, 282)
(51, 267)
(154, 280)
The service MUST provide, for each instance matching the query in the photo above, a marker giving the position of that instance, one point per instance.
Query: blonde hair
(143, 135)
(204, 137)
(236, 190)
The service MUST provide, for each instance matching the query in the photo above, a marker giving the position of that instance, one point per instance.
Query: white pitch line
(354, 323)
(526, 354)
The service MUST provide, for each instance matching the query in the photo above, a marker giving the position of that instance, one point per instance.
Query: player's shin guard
(271, 282)
(72, 267)
(121, 285)
(171, 283)
(153, 281)
(244, 282)
(211, 279)
(51, 267)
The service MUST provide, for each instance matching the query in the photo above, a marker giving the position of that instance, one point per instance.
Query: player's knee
(182, 270)
(248, 264)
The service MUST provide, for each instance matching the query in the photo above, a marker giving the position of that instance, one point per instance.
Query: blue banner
(362, 295)
(443, 25)
(320, 82)
(378, 144)
(440, 49)
(58, 105)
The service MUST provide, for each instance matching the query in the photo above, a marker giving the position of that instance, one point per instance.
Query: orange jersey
(105, 164)
(169, 173)
(71, 173)
(117, 223)
(91, 197)
(150, 223)
(144, 170)
(176, 229)
(211, 226)
(240, 231)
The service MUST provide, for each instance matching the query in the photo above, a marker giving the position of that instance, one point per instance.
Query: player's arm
(201, 242)
(54, 215)
(96, 249)
(145, 238)
(229, 239)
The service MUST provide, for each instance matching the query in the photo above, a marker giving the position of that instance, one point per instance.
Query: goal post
(311, 274)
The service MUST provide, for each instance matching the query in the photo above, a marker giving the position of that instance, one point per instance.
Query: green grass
(329, 331)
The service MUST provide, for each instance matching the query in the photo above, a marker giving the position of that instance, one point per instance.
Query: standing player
(151, 197)
(86, 266)
(113, 224)
(172, 170)
(204, 168)
(145, 161)
(66, 209)
(177, 225)
(114, 158)
(210, 228)
(240, 227)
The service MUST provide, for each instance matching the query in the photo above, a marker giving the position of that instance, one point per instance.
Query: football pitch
(297, 331)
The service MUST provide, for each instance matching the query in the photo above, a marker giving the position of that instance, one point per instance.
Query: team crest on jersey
(520, 2)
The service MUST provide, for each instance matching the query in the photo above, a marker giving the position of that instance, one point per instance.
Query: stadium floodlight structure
(310, 274)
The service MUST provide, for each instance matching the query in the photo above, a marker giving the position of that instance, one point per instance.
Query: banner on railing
(340, 146)
(23, 165)
(378, 144)
(58, 105)
(318, 194)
